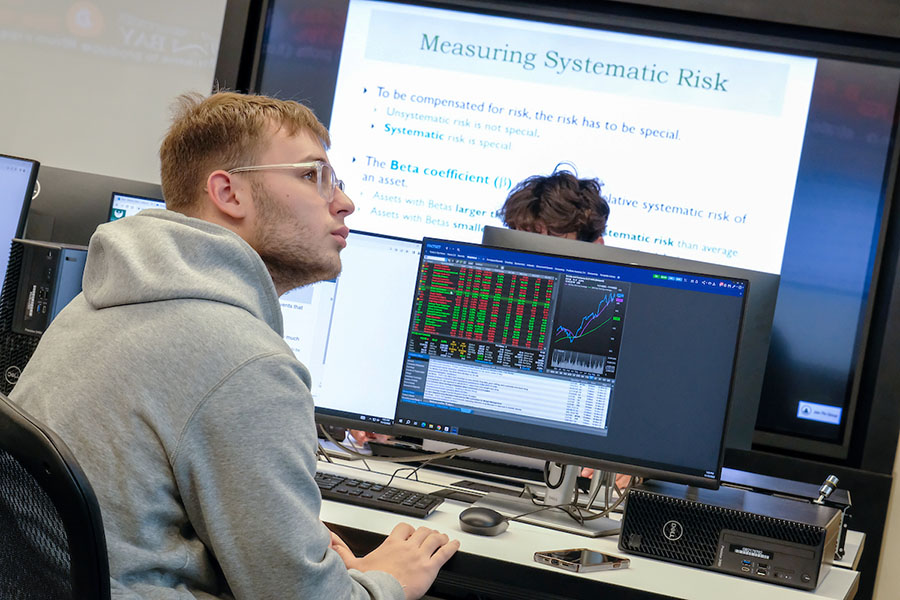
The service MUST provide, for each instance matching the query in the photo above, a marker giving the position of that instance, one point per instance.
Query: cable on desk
(608, 482)
(581, 515)
(356, 448)
(404, 459)
(622, 495)
(324, 453)
(531, 512)
(413, 471)
(423, 464)
(577, 514)
(353, 452)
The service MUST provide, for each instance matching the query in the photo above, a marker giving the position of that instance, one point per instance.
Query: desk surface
(516, 546)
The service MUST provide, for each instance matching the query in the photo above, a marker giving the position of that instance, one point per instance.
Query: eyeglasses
(317, 171)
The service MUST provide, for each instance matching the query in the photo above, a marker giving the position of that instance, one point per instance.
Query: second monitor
(601, 364)
(350, 331)
(759, 312)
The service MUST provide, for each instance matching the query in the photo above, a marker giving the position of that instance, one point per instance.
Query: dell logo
(673, 531)
(12, 374)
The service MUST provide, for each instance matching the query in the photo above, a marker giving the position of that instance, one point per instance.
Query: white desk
(503, 566)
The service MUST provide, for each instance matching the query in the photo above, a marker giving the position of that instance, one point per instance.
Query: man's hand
(340, 546)
(412, 556)
(361, 437)
(622, 480)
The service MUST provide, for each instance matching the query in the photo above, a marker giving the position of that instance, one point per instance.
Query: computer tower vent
(41, 278)
(686, 531)
(10, 286)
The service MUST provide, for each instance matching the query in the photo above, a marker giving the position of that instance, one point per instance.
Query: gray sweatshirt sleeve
(244, 466)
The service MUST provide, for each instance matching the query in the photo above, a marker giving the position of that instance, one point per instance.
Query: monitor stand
(524, 510)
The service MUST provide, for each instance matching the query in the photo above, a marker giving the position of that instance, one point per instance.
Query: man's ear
(600, 241)
(225, 198)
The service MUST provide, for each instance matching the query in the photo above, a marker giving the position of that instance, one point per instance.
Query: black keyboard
(373, 495)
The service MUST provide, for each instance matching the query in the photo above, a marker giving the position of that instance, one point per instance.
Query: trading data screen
(593, 360)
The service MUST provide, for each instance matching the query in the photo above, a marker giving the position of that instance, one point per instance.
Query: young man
(558, 204)
(169, 378)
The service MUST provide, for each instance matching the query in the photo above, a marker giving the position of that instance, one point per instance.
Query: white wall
(88, 85)
(887, 584)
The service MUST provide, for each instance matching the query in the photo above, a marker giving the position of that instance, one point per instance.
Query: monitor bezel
(112, 199)
(668, 474)
(348, 422)
(29, 191)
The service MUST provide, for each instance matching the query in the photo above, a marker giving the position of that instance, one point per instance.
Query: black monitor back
(758, 313)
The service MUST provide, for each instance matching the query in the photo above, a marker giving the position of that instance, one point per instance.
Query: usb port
(745, 569)
(762, 572)
(747, 562)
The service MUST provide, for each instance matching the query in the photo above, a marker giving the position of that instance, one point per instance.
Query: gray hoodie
(169, 379)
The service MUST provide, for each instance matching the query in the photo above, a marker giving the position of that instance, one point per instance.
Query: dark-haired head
(559, 204)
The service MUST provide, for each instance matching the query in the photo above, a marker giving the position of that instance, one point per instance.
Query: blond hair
(223, 131)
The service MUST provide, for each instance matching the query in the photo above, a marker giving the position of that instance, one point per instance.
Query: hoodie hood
(160, 255)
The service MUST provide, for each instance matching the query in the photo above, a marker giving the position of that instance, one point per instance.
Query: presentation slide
(438, 114)
(705, 150)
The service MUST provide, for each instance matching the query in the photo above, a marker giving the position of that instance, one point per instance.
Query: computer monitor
(758, 313)
(435, 111)
(350, 332)
(17, 181)
(587, 362)
(124, 205)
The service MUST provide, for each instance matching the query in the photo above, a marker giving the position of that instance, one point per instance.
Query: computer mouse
(482, 521)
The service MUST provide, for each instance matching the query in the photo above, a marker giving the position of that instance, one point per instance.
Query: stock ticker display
(525, 350)
(513, 318)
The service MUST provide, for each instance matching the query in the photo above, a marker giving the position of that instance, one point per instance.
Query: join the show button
(819, 412)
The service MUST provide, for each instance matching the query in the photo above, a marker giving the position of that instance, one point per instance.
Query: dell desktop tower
(41, 278)
(743, 533)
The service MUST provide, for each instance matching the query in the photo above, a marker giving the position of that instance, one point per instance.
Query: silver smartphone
(581, 560)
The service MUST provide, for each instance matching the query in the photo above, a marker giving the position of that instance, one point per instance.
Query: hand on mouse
(412, 556)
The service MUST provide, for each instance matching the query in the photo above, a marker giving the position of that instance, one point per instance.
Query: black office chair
(52, 544)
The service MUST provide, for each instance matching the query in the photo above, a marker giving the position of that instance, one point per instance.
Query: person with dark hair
(559, 204)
